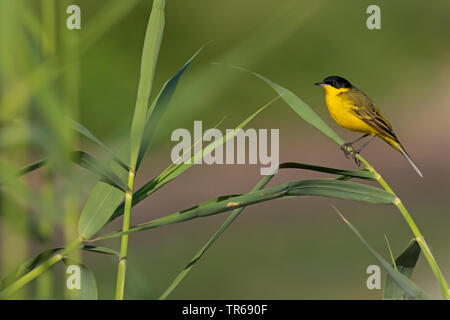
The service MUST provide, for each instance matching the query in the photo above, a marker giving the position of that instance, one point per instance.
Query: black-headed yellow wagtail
(352, 109)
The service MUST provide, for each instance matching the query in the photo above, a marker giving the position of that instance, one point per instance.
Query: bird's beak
(319, 84)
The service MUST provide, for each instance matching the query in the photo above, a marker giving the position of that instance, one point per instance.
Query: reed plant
(114, 194)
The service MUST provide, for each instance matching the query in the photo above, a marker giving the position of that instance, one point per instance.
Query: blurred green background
(288, 249)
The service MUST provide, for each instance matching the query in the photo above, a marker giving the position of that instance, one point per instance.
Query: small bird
(352, 109)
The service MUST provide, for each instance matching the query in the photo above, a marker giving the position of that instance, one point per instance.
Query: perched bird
(352, 109)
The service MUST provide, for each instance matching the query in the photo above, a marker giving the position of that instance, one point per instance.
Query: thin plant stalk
(36, 272)
(152, 43)
(412, 225)
(121, 271)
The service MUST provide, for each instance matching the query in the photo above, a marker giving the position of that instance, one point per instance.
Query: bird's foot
(345, 150)
(352, 153)
(357, 161)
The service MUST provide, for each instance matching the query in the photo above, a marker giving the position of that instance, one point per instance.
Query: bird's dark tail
(405, 154)
(398, 146)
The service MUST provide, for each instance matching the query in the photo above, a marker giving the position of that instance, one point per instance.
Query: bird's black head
(336, 82)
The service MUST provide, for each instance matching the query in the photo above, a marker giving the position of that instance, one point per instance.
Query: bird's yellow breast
(342, 111)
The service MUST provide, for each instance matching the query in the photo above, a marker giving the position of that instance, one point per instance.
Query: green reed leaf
(317, 187)
(345, 175)
(88, 134)
(363, 174)
(150, 52)
(159, 105)
(29, 168)
(104, 200)
(175, 170)
(102, 250)
(300, 107)
(88, 284)
(92, 164)
(183, 273)
(405, 264)
(410, 289)
(26, 267)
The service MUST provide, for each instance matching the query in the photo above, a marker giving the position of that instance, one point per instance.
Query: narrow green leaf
(85, 131)
(150, 52)
(102, 250)
(26, 267)
(405, 265)
(104, 201)
(342, 190)
(81, 158)
(175, 170)
(362, 174)
(29, 168)
(300, 107)
(411, 290)
(318, 187)
(159, 105)
(17, 189)
(390, 253)
(88, 134)
(87, 283)
(261, 184)
(89, 162)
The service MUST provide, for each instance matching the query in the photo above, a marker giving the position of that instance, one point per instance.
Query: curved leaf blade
(410, 289)
(261, 184)
(104, 200)
(174, 171)
(102, 250)
(362, 174)
(150, 53)
(405, 264)
(299, 106)
(88, 134)
(87, 284)
(92, 164)
(159, 105)
(101, 203)
(29, 168)
(317, 187)
(26, 267)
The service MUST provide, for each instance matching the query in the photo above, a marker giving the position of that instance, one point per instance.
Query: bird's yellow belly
(344, 116)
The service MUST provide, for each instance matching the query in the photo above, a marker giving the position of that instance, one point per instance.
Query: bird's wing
(365, 110)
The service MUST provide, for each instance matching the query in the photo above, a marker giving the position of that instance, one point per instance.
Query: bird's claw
(344, 149)
(357, 161)
(352, 153)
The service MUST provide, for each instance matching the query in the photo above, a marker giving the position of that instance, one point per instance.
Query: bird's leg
(350, 144)
(359, 150)
(365, 144)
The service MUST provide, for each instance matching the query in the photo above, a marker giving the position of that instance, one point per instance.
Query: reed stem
(121, 271)
(412, 225)
(36, 272)
(150, 52)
